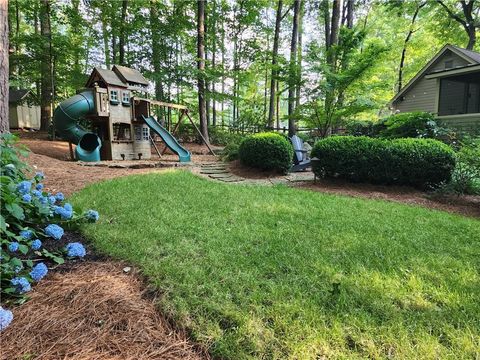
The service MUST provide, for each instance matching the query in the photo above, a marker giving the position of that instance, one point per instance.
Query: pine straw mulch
(94, 310)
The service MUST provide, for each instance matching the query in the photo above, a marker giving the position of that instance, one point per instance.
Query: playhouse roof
(129, 75)
(17, 95)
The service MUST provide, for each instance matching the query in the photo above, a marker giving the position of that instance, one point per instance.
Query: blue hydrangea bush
(32, 222)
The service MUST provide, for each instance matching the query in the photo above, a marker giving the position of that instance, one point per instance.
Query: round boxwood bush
(417, 162)
(266, 151)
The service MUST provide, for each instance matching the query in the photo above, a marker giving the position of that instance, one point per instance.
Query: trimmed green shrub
(417, 162)
(361, 128)
(266, 151)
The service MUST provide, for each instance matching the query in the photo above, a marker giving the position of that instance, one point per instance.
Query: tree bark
(201, 69)
(467, 21)
(214, 54)
(293, 69)
(4, 124)
(298, 89)
(273, 80)
(121, 45)
(405, 43)
(335, 24)
(46, 66)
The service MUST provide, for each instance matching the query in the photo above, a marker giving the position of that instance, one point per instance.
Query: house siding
(457, 61)
(421, 97)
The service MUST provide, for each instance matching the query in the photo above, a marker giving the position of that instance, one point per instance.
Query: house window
(121, 132)
(114, 97)
(126, 98)
(459, 95)
(145, 133)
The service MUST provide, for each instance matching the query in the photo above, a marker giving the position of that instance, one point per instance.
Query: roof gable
(17, 95)
(108, 76)
(470, 57)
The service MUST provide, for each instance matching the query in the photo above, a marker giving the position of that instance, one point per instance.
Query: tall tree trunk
(350, 8)
(335, 24)
(214, 51)
(207, 83)
(325, 10)
(273, 80)
(156, 44)
(277, 100)
(4, 125)
(405, 43)
(223, 66)
(106, 45)
(299, 59)
(121, 45)
(201, 68)
(46, 66)
(292, 78)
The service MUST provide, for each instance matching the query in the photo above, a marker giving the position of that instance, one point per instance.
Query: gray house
(448, 86)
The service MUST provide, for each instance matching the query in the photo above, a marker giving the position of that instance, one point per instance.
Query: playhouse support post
(199, 133)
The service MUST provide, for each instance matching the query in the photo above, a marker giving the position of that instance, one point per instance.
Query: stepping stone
(232, 179)
(214, 171)
(220, 176)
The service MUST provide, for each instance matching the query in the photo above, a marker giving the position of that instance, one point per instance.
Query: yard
(276, 272)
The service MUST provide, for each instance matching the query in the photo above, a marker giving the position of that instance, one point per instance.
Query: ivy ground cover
(275, 272)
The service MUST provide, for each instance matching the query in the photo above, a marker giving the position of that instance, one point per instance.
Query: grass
(275, 272)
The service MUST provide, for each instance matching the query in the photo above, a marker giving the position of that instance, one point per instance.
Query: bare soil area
(466, 205)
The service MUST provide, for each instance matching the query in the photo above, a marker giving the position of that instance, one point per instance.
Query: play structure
(121, 123)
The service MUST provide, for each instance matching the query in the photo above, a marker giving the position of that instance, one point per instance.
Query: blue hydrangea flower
(39, 187)
(24, 187)
(6, 317)
(13, 246)
(39, 271)
(92, 215)
(68, 206)
(36, 244)
(26, 234)
(37, 193)
(65, 212)
(52, 200)
(27, 198)
(43, 200)
(21, 284)
(75, 250)
(59, 196)
(54, 231)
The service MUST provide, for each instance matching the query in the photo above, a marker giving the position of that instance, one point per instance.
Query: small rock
(127, 269)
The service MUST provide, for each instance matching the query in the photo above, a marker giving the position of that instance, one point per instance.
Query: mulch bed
(93, 310)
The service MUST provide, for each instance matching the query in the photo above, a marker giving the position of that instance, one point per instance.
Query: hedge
(266, 151)
(418, 162)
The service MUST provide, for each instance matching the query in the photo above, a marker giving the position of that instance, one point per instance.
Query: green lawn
(275, 273)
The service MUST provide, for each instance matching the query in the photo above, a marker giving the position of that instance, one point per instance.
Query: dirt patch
(93, 311)
(464, 205)
(39, 143)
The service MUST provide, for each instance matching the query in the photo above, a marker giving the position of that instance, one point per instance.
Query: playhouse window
(145, 133)
(126, 98)
(114, 97)
(121, 131)
(138, 133)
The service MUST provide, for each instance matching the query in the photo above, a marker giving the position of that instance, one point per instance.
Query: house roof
(17, 95)
(130, 75)
(472, 57)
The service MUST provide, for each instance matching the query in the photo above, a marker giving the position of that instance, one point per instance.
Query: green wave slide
(168, 138)
(65, 119)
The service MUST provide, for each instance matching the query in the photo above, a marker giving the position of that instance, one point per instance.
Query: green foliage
(272, 272)
(231, 150)
(417, 162)
(466, 177)
(26, 211)
(408, 125)
(362, 128)
(266, 151)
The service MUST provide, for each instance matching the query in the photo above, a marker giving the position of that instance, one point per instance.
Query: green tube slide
(65, 119)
